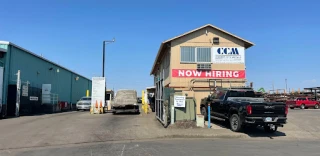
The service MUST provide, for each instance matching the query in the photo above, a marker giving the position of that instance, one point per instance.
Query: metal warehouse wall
(37, 72)
(2, 60)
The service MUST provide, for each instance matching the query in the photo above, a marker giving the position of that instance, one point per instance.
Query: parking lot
(72, 128)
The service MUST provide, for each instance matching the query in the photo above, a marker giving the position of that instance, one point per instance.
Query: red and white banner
(191, 73)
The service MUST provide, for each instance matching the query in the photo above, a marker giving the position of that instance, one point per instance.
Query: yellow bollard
(144, 103)
(87, 93)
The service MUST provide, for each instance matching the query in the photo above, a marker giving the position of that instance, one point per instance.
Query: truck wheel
(316, 106)
(204, 113)
(268, 129)
(235, 123)
(302, 106)
(291, 107)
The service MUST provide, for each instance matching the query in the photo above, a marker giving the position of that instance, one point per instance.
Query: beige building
(194, 62)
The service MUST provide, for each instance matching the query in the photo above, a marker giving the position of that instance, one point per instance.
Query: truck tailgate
(268, 109)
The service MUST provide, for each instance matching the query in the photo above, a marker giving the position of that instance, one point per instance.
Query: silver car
(84, 103)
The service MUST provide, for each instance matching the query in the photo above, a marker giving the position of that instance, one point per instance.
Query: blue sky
(285, 33)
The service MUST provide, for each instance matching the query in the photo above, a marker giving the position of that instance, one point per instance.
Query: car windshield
(85, 99)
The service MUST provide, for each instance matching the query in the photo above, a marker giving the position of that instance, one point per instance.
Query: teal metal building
(35, 71)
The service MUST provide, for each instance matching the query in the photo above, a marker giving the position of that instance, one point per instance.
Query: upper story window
(195, 54)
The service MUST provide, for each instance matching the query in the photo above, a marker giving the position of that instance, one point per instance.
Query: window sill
(195, 62)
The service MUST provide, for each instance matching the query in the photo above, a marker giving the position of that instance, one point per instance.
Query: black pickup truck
(241, 108)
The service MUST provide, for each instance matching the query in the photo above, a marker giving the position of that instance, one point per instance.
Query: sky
(70, 33)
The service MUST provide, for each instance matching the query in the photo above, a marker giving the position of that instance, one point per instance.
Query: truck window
(241, 94)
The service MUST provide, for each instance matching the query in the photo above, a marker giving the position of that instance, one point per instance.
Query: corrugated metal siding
(36, 71)
(79, 88)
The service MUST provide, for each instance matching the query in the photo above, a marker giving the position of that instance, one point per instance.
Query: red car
(303, 102)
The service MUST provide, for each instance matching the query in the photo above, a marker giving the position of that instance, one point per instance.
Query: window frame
(195, 57)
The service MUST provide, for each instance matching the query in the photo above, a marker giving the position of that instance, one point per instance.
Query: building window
(195, 54)
(188, 54)
(203, 54)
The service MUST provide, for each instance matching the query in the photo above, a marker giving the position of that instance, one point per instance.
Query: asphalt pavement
(77, 133)
(178, 147)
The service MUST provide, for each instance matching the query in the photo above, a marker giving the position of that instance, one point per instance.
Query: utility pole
(273, 86)
(103, 53)
(286, 85)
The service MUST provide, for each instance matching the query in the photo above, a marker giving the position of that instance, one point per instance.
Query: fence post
(18, 94)
(209, 116)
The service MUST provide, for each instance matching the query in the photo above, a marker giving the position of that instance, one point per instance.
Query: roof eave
(157, 58)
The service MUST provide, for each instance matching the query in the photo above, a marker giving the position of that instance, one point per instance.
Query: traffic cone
(101, 108)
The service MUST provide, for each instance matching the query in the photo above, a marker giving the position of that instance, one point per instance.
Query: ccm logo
(269, 107)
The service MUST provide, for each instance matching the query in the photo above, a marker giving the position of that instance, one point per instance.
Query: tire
(2, 115)
(291, 107)
(269, 130)
(114, 112)
(302, 106)
(235, 123)
(316, 106)
(204, 113)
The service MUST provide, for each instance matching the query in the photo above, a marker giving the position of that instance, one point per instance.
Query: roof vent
(216, 40)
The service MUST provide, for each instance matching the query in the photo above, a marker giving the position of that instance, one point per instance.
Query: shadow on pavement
(259, 132)
(38, 114)
(250, 131)
(126, 113)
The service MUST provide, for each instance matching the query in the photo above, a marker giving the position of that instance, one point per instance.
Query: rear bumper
(81, 107)
(262, 120)
(293, 105)
(127, 108)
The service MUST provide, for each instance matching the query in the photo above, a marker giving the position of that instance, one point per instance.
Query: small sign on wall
(24, 90)
(33, 98)
(179, 101)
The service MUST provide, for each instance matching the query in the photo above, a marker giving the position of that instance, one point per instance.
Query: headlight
(134, 104)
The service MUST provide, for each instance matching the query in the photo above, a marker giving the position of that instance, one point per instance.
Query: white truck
(125, 101)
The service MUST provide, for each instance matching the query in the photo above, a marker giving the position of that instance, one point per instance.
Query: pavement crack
(124, 146)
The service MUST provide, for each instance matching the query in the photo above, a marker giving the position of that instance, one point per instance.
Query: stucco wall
(201, 39)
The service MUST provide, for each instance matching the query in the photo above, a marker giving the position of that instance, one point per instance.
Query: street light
(103, 57)
(286, 85)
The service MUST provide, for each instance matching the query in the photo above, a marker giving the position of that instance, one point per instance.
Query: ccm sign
(235, 74)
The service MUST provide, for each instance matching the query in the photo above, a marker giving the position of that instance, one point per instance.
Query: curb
(205, 136)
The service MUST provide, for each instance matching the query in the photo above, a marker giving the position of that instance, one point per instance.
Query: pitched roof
(247, 44)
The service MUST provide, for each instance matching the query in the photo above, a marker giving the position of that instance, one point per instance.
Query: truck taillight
(249, 109)
(286, 109)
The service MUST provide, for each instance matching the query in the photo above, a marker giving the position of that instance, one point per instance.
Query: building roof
(10, 43)
(247, 44)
